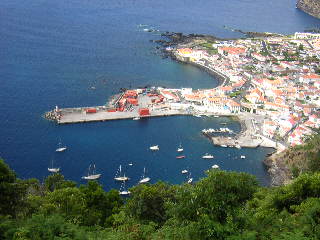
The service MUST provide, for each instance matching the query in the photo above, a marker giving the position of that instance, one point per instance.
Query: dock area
(80, 115)
(249, 136)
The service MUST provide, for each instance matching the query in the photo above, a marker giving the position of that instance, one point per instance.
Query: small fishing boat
(144, 179)
(215, 166)
(155, 148)
(181, 156)
(91, 174)
(243, 156)
(207, 156)
(184, 171)
(130, 164)
(119, 177)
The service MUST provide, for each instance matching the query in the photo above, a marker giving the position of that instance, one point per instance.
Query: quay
(249, 136)
(132, 104)
(80, 115)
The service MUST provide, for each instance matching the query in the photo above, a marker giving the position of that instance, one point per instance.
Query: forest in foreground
(223, 205)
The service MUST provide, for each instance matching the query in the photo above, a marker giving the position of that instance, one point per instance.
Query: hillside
(222, 206)
(311, 7)
(285, 166)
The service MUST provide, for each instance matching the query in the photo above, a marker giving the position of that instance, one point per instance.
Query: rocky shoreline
(311, 7)
(278, 169)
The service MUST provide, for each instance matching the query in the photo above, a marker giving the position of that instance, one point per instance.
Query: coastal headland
(268, 81)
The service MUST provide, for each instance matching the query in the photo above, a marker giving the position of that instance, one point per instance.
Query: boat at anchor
(53, 169)
(144, 179)
(207, 156)
(91, 174)
(119, 177)
(154, 148)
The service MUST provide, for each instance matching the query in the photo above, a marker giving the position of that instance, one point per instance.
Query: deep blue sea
(54, 52)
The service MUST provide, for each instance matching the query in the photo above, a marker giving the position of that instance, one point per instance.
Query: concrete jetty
(249, 136)
(79, 115)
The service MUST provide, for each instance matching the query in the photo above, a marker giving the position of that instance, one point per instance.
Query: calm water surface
(53, 52)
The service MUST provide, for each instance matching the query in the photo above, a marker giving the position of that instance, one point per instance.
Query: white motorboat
(144, 179)
(119, 176)
(215, 166)
(130, 164)
(223, 145)
(184, 171)
(207, 156)
(155, 148)
(136, 118)
(61, 148)
(190, 180)
(243, 156)
(180, 149)
(238, 146)
(91, 174)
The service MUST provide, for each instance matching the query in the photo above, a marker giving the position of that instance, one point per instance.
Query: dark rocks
(312, 7)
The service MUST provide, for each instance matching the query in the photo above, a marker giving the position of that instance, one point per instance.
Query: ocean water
(54, 52)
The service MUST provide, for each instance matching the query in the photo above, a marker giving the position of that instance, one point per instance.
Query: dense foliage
(223, 205)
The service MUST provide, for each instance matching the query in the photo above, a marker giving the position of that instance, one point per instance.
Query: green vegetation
(208, 47)
(235, 94)
(223, 205)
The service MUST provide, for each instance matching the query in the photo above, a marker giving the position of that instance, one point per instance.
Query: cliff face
(311, 7)
(284, 166)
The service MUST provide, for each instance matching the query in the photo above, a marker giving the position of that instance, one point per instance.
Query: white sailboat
(61, 148)
(190, 179)
(119, 177)
(207, 156)
(91, 174)
(123, 190)
(52, 169)
(144, 179)
(180, 149)
(155, 148)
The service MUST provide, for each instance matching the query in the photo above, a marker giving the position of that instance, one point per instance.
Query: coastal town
(270, 83)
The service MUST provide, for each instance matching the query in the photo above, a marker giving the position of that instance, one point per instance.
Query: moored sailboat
(53, 169)
(91, 174)
(119, 177)
(144, 179)
(123, 190)
(61, 148)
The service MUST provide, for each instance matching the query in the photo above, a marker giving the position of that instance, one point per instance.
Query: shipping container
(91, 110)
(144, 112)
